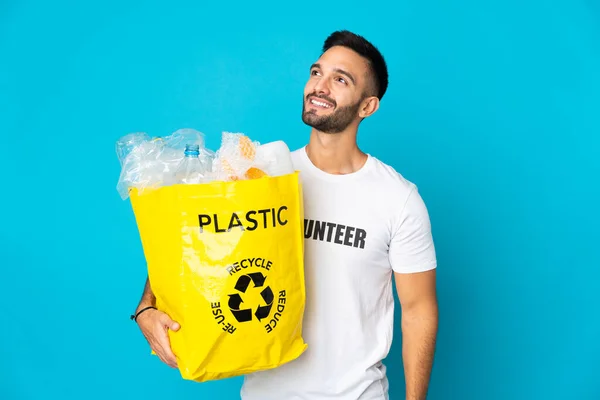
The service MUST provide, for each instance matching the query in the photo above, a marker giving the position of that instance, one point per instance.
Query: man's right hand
(155, 325)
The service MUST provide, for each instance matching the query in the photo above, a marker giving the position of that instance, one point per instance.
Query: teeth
(321, 104)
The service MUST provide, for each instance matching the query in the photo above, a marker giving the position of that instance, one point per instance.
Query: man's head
(346, 83)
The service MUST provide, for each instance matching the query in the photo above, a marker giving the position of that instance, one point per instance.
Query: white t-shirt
(359, 229)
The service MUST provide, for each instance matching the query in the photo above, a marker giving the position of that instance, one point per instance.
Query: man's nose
(322, 86)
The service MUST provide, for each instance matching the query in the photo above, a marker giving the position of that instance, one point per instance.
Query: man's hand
(155, 326)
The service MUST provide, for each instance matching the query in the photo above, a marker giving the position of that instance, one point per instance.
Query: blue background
(493, 110)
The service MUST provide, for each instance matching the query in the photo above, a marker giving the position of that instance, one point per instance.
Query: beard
(335, 122)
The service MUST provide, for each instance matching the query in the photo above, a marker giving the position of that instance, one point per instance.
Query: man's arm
(148, 299)
(418, 300)
(155, 325)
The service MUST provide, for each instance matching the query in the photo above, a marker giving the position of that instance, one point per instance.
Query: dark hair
(363, 47)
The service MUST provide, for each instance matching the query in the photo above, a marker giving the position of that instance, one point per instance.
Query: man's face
(335, 90)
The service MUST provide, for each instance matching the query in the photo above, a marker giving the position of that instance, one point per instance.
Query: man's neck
(336, 153)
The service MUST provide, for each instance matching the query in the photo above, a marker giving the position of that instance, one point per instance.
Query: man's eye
(314, 72)
(342, 80)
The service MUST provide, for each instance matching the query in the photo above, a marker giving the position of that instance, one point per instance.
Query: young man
(364, 225)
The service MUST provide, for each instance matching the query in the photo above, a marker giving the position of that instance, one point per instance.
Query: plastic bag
(236, 158)
(225, 256)
(225, 260)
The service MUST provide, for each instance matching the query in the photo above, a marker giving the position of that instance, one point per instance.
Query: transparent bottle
(191, 170)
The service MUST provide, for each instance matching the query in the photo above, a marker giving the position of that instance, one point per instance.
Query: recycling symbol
(235, 300)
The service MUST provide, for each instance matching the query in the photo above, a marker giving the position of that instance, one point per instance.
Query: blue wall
(493, 110)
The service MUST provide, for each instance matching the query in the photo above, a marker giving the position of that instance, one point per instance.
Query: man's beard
(335, 122)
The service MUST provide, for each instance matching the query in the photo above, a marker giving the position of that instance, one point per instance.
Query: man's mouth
(320, 103)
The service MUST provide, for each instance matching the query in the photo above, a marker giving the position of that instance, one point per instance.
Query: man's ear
(368, 107)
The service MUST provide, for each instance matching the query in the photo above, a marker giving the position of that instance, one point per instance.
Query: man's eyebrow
(341, 71)
(338, 70)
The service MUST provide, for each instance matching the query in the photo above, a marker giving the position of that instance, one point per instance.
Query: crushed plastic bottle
(191, 170)
(128, 143)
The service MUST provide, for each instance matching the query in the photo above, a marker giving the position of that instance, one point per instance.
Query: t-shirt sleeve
(411, 247)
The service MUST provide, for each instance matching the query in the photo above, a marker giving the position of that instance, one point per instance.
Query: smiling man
(366, 226)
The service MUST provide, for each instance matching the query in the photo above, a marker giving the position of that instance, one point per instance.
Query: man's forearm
(148, 298)
(419, 332)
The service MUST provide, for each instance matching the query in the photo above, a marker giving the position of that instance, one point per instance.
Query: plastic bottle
(191, 170)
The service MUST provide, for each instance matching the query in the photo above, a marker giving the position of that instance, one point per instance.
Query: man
(349, 314)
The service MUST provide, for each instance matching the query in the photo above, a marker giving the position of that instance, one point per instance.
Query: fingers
(171, 361)
(160, 343)
(167, 322)
(155, 327)
(167, 357)
(164, 344)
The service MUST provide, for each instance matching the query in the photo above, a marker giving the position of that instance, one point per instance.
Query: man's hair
(367, 50)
